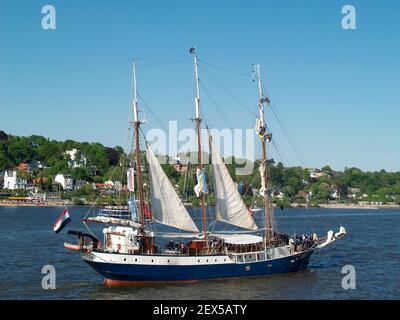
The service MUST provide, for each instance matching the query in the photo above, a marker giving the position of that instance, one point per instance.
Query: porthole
(215, 260)
(198, 261)
(168, 261)
(152, 261)
(124, 259)
(207, 260)
(135, 260)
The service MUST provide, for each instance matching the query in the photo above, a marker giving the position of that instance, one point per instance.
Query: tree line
(286, 184)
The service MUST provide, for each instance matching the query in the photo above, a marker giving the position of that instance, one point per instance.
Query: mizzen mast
(197, 120)
(136, 123)
(264, 136)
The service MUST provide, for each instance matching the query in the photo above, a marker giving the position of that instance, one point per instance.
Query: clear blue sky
(336, 90)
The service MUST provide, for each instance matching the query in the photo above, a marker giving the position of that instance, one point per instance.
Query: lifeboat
(72, 247)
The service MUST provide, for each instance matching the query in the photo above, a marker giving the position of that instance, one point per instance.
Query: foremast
(139, 175)
(261, 129)
(197, 121)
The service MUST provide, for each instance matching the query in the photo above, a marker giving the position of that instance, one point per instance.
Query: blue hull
(180, 273)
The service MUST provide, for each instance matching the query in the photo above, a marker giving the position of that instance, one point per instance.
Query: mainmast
(264, 136)
(197, 120)
(136, 123)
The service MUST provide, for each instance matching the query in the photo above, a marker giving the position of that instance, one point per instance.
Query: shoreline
(6, 203)
(358, 206)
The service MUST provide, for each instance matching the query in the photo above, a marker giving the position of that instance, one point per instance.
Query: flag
(147, 211)
(132, 207)
(192, 50)
(131, 179)
(201, 185)
(62, 221)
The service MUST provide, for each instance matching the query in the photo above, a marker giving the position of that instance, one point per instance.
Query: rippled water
(372, 247)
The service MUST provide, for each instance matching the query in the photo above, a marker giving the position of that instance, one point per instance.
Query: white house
(118, 185)
(66, 182)
(74, 162)
(12, 182)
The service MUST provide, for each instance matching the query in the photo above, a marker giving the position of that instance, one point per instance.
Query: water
(372, 247)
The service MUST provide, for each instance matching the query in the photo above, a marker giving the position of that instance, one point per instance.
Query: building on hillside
(302, 194)
(34, 164)
(109, 184)
(118, 186)
(2, 178)
(13, 182)
(65, 181)
(39, 182)
(179, 165)
(316, 173)
(38, 196)
(76, 158)
(276, 193)
(354, 190)
(80, 183)
(23, 166)
(54, 196)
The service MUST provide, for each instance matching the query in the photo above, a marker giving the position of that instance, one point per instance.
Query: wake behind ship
(132, 251)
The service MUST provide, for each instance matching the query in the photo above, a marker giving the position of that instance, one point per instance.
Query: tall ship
(133, 252)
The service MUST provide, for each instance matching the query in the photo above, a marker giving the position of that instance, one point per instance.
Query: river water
(372, 246)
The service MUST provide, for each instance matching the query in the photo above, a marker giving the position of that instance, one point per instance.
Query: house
(316, 173)
(65, 181)
(38, 197)
(12, 182)
(77, 159)
(23, 166)
(80, 183)
(39, 182)
(276, 193)
(354, 190)
(2, 178)
(34, 164)
(302, 194)
(100, 187)
(179, 165)
(118, 186)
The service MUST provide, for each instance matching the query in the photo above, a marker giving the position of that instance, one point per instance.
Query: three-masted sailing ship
(130, 252)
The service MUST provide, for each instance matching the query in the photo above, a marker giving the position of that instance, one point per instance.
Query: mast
(136, 122)
(197, 120)
(263, 137)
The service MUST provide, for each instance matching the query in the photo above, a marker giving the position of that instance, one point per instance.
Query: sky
(335, 90)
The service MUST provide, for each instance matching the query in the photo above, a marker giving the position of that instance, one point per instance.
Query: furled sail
(229, 205)
(263, 170)
(167, 207)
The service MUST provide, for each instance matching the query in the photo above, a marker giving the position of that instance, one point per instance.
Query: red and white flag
(131, 179)
(62, 221)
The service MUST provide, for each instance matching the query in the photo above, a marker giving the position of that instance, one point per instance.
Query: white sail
(229, 204)
(166, 206)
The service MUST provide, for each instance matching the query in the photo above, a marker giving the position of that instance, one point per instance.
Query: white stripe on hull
(163, 260)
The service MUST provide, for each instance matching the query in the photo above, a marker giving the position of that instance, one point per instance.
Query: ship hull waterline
(120, 273)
